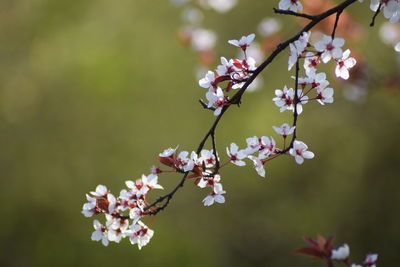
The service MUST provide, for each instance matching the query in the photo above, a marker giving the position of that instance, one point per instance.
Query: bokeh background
(90, 93)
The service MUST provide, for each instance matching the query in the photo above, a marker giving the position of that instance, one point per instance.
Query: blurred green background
(91, 91)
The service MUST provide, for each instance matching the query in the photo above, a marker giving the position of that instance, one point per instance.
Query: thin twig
(375, 15)
(336, 24)
(289, 12)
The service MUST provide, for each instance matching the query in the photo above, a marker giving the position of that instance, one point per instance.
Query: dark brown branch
(288, 12)
(152, 209)
(336, 23)
(372, 24)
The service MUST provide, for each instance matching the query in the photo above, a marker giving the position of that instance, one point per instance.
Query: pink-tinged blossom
(155, 169)
(89, 208)
(216, 99)
(371, 260)
(244, 42)
(284, 130)
(292, 5)
(151, 181)
(208, 81)
(100, 233)
(235, 156)
(315, 80)
(226, 67)
(184, 162)
(135, 214)
(258, 165)
(311, 62)
(330, 48)
(253, 145)
(299, 152)
(324, 95)
(285, 99)
(207, 156)
(344, 64)
(168, 152)
(139, 234)
(209, 180)
(341, 253)
(116, 228)
(267, 147)
(101, 191)
(215, 196)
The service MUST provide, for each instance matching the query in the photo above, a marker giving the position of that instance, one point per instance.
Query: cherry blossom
(391, 9)
(258, 165)
(285, 99)
(208, 81)
(311, 62)
(253, 145)
(344, 64)
(267, 147)
(236, 156)
(100, 233)
(215, 196)
(341, 253)
(216, 99)
(330, 48)
(324, 95)
(371, 260)
(207, 156)
(168, 152)
(284, 130)
(185, 163)
(116, 228)
(299, 152)
(244, 42)
(292, 5)
(139, 234)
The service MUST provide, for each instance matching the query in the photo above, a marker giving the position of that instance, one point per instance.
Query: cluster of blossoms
(130, 205)
(323, 249)
(124, 214)
(232, 73)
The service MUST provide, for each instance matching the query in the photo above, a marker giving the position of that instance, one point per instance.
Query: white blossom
(299, 152)
(284, 130)
(292, 5)
(258, 165)
(330, 48)
(100, 233)
(215, 196)
(235, 156)
(139, 234)
(344, 64)
(243, 42)
(341, 253)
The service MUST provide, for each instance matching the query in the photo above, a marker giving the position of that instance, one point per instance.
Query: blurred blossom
(179, 2)
(254, 51)
(203, 39)
(269, 26)
(355, 93)
(390, 33)
(397, 47)
(255, 85)
(221, 6)
(192, 15)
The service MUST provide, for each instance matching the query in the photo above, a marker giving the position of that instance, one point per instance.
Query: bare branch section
(289, 12)
(154, 208)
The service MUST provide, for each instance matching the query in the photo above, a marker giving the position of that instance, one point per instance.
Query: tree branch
(236, 99)
(296, 14)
